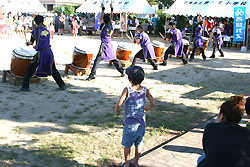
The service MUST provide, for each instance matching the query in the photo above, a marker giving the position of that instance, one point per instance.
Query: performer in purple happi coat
(176, 48)
(217, 41)
(43, 63)
(198, 42)
(106, 51)
(147, 51)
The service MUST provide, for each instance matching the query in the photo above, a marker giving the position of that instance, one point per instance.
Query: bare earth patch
(77, 127)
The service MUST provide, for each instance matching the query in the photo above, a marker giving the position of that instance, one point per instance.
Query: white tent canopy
(130, 6)
(214, 8)
(22, 6)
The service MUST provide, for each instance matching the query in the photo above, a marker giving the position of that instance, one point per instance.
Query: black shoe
(221, 55)
(191, 58)
(91, 77)
(156, 67)
(204, 57)
(184, 61)
(213, 56)
(164, 63)
(63, 87)
(24, 89)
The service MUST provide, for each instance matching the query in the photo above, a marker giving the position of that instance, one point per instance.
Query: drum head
(205, 39)
(185, 42)
(158, 44)
(25, 52)
(123, 47)
(82, 50)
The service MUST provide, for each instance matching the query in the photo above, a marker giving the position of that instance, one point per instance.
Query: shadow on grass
(50, 157)
(221, 75)
(178, 117)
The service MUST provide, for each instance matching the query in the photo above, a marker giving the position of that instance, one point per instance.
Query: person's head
(139, 29)
(106, 18)
(135, 74)
(173, 18)
(134, 18)
(61, 14)
(232, 110)
(199, 18)
(171, 25)
(225, 22)
(187, 25)
(39, 20)
(247, 105)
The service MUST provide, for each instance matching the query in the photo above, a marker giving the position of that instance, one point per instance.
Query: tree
(166, 3)
(67, 9)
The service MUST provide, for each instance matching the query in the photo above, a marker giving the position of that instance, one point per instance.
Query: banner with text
(239, 23)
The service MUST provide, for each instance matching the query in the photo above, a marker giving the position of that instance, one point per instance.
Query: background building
(50, 4)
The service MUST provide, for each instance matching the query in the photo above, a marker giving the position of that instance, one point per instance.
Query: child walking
(51, 30)
(134, 117)
(75, 28)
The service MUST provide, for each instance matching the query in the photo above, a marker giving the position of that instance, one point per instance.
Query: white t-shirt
(137, 22)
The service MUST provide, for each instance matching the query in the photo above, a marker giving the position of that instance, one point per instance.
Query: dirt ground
(77, 127)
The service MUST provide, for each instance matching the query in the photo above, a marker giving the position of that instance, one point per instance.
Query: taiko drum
(21, 58)
(123, 53)
(82, 58)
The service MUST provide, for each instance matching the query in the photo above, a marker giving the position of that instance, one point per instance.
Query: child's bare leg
(127, 156)
(138, 151)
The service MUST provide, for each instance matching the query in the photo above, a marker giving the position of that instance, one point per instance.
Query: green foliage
(161, 21)
(68, 9)
(166, 3)
(181, 22)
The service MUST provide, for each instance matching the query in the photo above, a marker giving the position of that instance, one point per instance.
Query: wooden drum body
(205, 45)
(82, 59)
(123, 53)
(20, 60)
(159, 49)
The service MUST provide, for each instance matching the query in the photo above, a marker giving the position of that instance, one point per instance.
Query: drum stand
(77, 70)
(16, 81)
(159, 59)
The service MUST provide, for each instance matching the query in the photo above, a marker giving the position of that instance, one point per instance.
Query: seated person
(186, 29)
(226, 143)
(247, 108)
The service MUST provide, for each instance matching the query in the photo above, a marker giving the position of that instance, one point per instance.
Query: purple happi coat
(177, 38)
(46, 58)
(146, 44)
(218, 37)
(106, 46)
(198, 33)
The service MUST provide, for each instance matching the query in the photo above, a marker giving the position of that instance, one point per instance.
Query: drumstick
(128, 37)
(131, 35)
(25, 36)
(161, 35)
